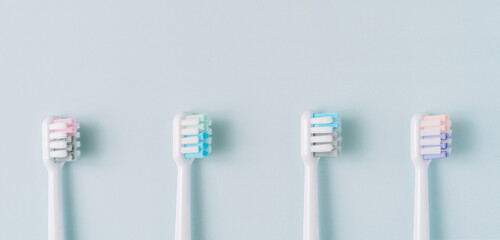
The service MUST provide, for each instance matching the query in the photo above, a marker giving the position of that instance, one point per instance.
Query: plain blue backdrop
(125, 68)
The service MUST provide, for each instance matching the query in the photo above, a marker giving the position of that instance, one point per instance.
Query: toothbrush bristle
(196, 136)
(325, 134)
(435, 137)
(63, 137)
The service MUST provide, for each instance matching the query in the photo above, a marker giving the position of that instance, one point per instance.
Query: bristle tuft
(435, 133)
(325, 134)
(196, 136)
(63, 135)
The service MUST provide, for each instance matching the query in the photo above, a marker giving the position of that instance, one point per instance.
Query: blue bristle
(201, 154)
(334, 125)
(202, 145)
(326, 114)
(201, 136)
(204, 137)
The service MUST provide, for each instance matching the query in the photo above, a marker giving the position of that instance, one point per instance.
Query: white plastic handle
(421, 211)
(56, 230)
(311, 211)
(183, 204)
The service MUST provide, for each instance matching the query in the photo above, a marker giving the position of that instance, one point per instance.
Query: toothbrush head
(60, 141)
(192, 136)
(320, 135)
(430, 137)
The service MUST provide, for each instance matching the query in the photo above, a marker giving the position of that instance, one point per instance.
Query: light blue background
(124, 68)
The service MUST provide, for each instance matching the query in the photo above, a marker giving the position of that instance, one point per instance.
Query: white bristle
(322, 139)
(65, 159)
(58, 135)
(320, 136)
(322, 148)
(430, 132)
(190, 131)
(334, 153)
(58, 144)
(316, 130)
(190, 122)
(321, 120)
(189, 140)
(430, 150)
(58, 126)
(430, 123)
(68, 149)
(190, 149)
(59, 154)
(430, 141)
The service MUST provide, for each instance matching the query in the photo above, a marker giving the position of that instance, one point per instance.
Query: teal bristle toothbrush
(320, 137)
(191, 140)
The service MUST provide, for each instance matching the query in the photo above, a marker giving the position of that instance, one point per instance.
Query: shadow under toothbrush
(351, 139)
(89, 147)
(462, 138)
(462, 144)
(89, 139)
(352, 136)
(221, 142)
(221, 137)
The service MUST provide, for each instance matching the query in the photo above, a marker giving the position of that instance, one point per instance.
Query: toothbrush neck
(185, 163)
(311, 165)
(310, 161)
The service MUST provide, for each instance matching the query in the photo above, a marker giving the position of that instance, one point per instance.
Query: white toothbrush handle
(311, 210)
(183, 205)
(421, 211)
(56, 230)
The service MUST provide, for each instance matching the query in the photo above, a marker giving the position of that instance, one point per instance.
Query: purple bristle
(443, 136)
(443, 154)
(443, 146)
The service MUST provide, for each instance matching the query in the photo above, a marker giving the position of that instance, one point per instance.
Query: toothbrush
(430, 139)
(320, 137)
(59, 145)
(191, 140)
